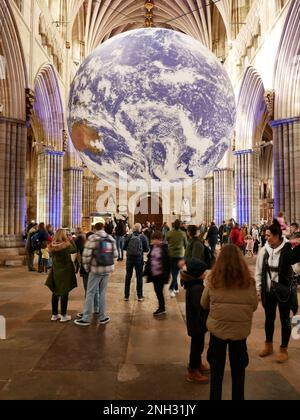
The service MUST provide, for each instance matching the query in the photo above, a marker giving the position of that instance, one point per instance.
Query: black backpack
(135, 246)
(104, 252)
(209, 257)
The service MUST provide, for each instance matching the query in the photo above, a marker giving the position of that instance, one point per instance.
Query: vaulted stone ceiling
(209, 21)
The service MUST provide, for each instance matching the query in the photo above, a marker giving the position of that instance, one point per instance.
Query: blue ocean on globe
(154, 104)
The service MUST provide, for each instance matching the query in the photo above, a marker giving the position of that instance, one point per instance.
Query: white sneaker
(176, 291)
(172, 293)
(55, 317)
(65, 318)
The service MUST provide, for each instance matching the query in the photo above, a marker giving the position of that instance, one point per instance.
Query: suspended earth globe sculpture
(154, 104)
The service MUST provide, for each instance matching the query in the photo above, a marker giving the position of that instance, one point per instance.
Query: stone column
(72, 214)
(223, 195)
(247, 186)
(286, 147)
(49, 187)
(88, 200)
(209, 199)
(13, 134)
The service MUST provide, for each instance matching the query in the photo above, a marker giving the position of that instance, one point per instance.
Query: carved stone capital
(270, 101)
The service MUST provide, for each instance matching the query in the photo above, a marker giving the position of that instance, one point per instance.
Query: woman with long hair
(231, 299)
(274, 278)
(62, 277)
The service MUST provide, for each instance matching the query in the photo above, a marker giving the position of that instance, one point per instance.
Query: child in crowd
(158, 269)
(249, 245)
(192, 280)
(45, 256)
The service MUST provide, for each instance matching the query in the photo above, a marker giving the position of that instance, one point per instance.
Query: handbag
(281, 291)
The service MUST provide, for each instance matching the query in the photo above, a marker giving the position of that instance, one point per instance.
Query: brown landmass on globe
(82, 135)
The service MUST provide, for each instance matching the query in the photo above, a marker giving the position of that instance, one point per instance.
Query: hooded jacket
(279, 269)
(62, 279)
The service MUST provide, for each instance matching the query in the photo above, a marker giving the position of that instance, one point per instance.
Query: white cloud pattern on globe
(153, 103)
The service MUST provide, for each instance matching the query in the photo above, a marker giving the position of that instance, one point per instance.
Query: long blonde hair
(230, 270)
(60, 236)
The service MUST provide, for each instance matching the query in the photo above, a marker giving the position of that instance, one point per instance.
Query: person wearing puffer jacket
(230, 296)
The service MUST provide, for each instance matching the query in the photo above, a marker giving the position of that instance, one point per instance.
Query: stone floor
(134, 357)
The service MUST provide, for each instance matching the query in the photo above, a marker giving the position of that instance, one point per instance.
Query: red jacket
(236, 237)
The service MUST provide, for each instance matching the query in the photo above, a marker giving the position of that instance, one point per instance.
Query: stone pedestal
(49, 187)
(223, 195)
(72, 207)
(286, 147)
(12, 182)
(209, 199)
(88, 201)
(247, 186)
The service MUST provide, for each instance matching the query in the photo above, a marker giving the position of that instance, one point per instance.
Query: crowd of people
(221, 293)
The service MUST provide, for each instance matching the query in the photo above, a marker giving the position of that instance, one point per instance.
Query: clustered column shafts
(72, 197)
(12, 182)
(247, 186)
(286, 146)
(223, 194)
(88, 201)
(209, 199)
(49, 187)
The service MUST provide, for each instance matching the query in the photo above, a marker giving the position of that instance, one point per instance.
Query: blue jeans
(175, 271)
(120, 245)
(97, 285)
(138, 264)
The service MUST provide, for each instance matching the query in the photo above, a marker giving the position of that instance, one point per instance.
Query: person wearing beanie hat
(192, 281)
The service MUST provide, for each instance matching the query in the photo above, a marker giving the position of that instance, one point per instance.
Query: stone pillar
(88, 200)
(13, 134)
(286, 147)
(223, 195)
(247, 186)
(49, 187)
(209, 199)
(72, 214)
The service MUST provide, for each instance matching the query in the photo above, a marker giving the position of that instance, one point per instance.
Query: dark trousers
(212, 246)
(159, 290)
(63, 304)
(85, 279)
(174, 271)
(136, 263)
(271, 303)
(120, 245)
(196, 350)
(45, 265)
(238, 357)
(30, 260)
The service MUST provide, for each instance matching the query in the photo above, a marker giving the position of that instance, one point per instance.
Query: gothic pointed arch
(13, 82)
(252, 113)
(48, 116)
(254, 150)
(287, 74)
(13, 73)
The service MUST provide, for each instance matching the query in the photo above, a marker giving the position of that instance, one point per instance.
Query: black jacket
(165, 265)
(196, 316)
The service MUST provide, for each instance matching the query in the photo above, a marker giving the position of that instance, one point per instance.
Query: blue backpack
(35, 242)
(104, 252)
